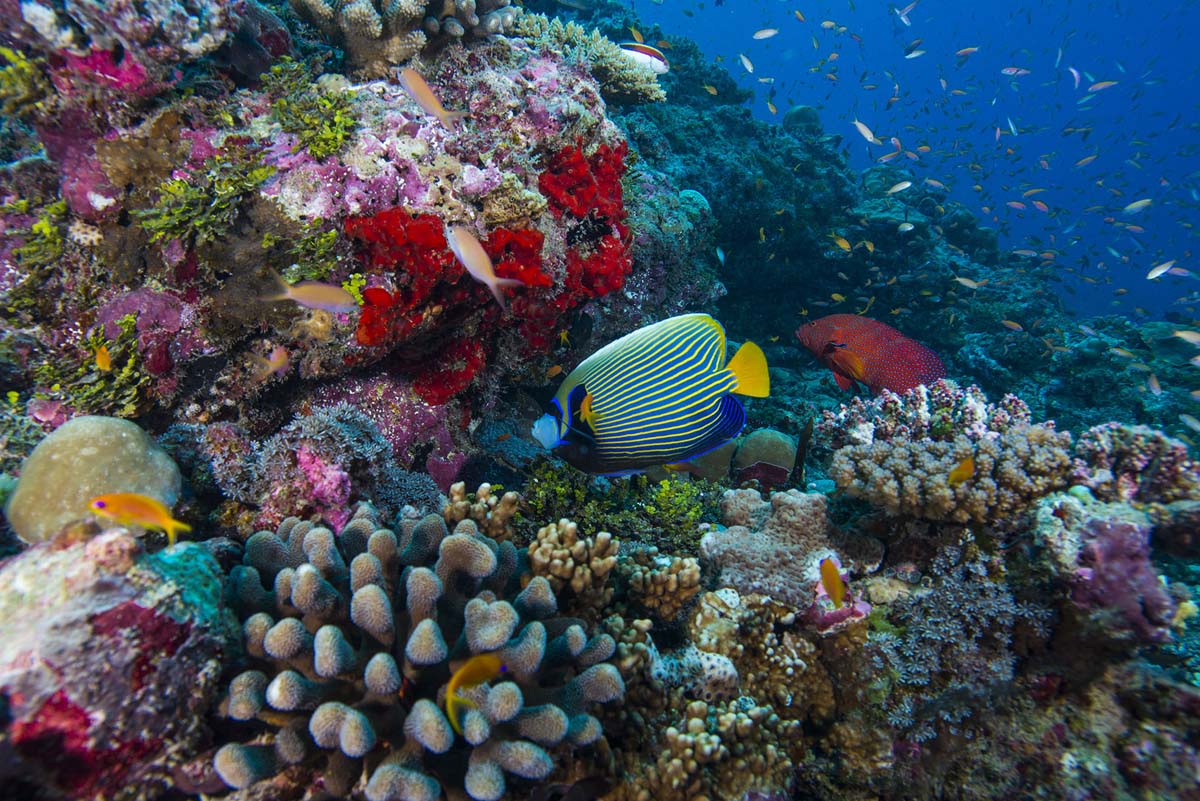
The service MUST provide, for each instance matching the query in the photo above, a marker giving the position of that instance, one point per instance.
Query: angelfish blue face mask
(547, 430)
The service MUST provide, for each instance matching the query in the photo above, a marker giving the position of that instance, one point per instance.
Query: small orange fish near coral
(961, 472)
(134, 509)
(831, 580)
(477, 670)
(103, 359)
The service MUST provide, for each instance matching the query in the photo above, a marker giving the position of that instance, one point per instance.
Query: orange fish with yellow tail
(477, 670)
(135, 509)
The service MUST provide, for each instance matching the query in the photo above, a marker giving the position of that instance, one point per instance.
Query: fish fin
(847, 362)
(453, 702)
(731, 421)
(282, 289)
(749, 368)
(176, 527)
(499, 285)
(451, 119)
(842, 382)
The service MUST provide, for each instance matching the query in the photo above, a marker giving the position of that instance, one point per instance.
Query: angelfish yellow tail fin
(749, 368)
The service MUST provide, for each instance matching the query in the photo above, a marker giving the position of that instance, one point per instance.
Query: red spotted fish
(662, 394)
(870, 352)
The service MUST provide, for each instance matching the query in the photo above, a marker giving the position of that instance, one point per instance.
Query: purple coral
(1115, 574)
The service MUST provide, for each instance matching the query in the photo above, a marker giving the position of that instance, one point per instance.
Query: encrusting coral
(353, 648)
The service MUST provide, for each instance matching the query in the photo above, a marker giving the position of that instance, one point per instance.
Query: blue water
(1144, 131)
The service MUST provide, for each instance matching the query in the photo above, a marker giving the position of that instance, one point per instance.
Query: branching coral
(1135, 463)
(622, 80)
(898, 453)
(376, 34)
(492, 513)
(581, 564)
(457, 19)
(362, 633)
(661, 584)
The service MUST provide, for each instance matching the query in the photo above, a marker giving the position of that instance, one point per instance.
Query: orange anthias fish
(961, 472)
(477, 670)
(831, 580)
(133, 509)
(860, 349)
(419, 91)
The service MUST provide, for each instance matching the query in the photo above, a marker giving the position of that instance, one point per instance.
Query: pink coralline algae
(154, 627)
(329, 487)
(122, 50)
(1115, 575)
(826, 616)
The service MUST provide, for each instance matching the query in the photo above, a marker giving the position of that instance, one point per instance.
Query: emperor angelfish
(659, 395)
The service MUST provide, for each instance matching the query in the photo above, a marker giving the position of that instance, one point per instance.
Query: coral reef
(376, 36)
(898, 452)
(773, 547)
(110, 661)
(355, 645)
(315, 465)
(491, 513)
(622, 80)
(569, 561)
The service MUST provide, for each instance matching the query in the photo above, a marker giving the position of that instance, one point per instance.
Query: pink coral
(329, 487)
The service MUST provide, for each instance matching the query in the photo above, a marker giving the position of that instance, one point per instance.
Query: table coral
(109, 662)
(354, 646)
(897, 452)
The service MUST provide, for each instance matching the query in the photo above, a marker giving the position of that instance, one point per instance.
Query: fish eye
(98, 504)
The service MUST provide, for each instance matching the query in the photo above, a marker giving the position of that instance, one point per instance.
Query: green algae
(322, 121)
(203, 206)
(123, 391)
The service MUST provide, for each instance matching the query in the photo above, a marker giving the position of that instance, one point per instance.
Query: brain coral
(897, 452)
(354, 645)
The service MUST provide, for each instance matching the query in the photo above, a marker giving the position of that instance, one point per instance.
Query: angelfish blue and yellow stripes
(659, 395)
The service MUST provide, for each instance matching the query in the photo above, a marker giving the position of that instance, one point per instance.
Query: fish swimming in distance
(662, 394)
(870, 352)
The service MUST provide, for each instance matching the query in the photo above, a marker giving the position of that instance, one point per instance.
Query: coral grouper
(865, 350)
(655, 396)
